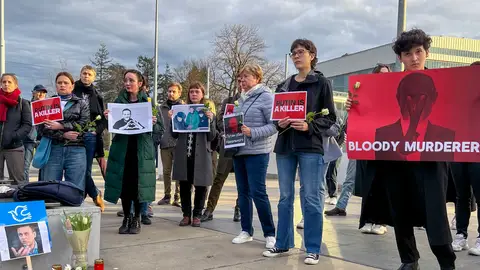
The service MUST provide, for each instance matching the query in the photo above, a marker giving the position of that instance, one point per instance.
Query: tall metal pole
(286, 65)
(401, 27)
(2, 36)
(155, 79)
(208, 81)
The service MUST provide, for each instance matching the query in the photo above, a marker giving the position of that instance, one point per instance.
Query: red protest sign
(49, 108)
(289, 104)
(229, 108)
(416, 116)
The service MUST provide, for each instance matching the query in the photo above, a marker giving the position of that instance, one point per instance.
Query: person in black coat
(85, 90)
(15, 124)
(416, 191)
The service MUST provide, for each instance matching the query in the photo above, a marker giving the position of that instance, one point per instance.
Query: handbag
(230, 152)
(331, 150)
(42, 153)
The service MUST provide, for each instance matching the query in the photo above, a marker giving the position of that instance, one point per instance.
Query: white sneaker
(270, 242)
(453, 224)
(327, 200)
(475, 250)
(333, 201)
(459, 243)
(367, 228)
(243, 237)
(312, 259)
(379, 229)
(300, 225)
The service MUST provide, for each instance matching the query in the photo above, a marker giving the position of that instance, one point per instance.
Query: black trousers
(331, 178)
(417, 195)
(130, 178)
(186, 193)
(466, 177)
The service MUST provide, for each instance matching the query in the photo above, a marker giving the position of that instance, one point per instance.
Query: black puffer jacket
(17, 126)
(319, 97)
(78, 113)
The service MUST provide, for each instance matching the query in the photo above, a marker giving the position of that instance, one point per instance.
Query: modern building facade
(445, 52)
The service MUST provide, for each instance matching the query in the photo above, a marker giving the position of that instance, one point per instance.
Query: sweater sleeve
(269, 129)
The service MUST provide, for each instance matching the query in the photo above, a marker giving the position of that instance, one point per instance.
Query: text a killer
(426, 146)
(289, 106)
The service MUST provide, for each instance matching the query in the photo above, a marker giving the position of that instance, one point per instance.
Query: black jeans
(186, 193)
(466, 176)
(331, 178)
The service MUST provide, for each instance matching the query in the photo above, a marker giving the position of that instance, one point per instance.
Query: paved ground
(164, 245)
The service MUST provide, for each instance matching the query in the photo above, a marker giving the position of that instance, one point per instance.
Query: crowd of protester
(190, 160)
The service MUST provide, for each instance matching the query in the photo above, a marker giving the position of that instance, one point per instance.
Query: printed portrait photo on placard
(190, 118)
(130, 118)
(28, 239)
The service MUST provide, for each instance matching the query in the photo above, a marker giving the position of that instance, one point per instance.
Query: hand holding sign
(53, 125)
(284, 122)
(246, 131)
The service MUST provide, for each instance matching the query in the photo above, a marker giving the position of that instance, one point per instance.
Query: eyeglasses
(297, 52)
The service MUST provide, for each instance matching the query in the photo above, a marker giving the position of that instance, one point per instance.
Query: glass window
(454, 52)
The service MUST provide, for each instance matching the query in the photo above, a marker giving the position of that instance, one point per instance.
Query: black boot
(125, 228)
(207, 216)
(409, 266)
(135, 226)
(236, 214)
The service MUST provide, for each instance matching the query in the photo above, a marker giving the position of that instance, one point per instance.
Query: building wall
(445, 52)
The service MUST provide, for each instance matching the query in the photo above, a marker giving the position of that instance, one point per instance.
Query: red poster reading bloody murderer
(427, 115)
(289, 104)
(49, 108)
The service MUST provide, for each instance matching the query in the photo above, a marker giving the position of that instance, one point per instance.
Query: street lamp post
(401, 27)
(286, 65)
(2, 36)
(155, 79)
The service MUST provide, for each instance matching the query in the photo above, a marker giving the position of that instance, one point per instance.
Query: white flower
(325, 112)
(68, 267)
(79, 268)
(85, 220)
(98, 118)
(357, 85)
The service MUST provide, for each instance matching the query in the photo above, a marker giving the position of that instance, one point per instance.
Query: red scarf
(7, 100)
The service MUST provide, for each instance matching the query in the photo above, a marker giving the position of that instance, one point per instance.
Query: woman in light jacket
(251, 160)
(193, 161)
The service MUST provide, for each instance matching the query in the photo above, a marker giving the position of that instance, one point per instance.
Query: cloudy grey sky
(41, 34)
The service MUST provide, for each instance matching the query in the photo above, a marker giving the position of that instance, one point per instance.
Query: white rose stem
(29, 263)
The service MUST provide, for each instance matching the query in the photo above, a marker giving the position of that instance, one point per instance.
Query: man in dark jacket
(85, 90)
(167, 145)
(425, 182)
(39, 92)
(225, 166)
(15, 124)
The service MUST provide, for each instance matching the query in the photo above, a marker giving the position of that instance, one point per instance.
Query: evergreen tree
(101, 61)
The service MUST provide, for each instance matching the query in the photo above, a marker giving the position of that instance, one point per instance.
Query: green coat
(146, 160)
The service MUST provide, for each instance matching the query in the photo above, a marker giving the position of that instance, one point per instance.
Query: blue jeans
(250, 175)
(90, 141)
(29, 148)
(312, 193)
(143, 208)
(71, 159)
(348, 185)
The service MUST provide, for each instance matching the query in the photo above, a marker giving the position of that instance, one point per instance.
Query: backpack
(63, 192)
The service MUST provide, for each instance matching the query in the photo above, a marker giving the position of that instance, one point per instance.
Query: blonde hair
(254, 70)
(11, 75)
(90, 68)
(176, 84)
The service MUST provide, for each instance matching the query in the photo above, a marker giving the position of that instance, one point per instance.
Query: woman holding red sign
(15, 124)
(300, 144)
(67, 157)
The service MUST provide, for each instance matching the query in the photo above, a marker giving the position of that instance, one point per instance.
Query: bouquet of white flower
(77, 228)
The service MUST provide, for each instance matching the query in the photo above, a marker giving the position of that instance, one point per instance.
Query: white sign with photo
(190, 118)
(20, 241)
(130, 119)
